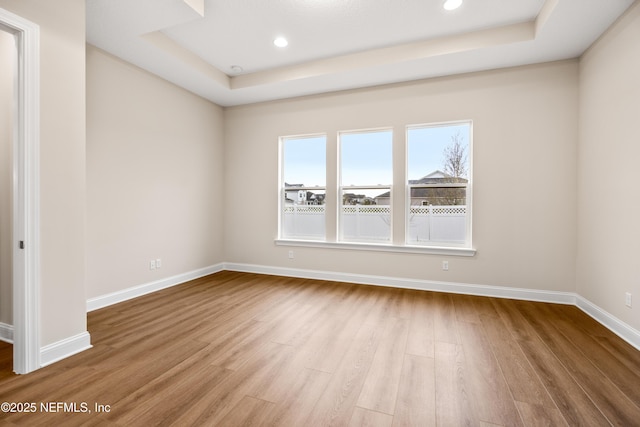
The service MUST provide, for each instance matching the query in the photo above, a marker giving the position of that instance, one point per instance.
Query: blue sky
(305, 160)
(366, 157)
(425, 151)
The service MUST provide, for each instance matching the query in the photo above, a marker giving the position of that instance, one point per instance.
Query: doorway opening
(8, 56)
(24, 240)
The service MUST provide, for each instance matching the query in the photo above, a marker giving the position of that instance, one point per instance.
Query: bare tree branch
(455, 157)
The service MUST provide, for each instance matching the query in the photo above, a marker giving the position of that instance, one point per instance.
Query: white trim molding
(64, 348)
(418, 284)
(6, 333)
(618, 327)
(26, 193)
(146, 288)
(407, 249)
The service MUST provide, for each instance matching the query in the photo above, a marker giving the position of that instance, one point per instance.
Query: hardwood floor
(236, 349)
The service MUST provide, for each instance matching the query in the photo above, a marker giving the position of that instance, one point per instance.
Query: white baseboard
(418, 284)
(6, 333)
(53, 352)
(136, 291)
(64, 348)
(618, 327)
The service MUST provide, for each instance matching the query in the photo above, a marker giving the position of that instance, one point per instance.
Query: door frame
(26, 193)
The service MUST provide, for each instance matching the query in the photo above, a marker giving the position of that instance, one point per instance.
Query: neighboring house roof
(437, 174)
(354, 196)
(437, 177)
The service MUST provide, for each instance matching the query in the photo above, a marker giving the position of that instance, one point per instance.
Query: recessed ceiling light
(280, 42)
(452, 4)
(236, 69)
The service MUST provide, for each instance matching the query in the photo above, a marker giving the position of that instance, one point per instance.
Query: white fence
(373, 223)
(437, 224)
(369, 223)
(303, 222)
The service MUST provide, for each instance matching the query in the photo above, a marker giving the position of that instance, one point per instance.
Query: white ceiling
(337, 44)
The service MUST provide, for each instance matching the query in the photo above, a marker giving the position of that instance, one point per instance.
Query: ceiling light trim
(280, 42)
(451, 5)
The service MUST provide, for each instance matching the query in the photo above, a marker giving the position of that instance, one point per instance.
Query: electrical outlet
(290, 254)
(152, 264)
(627, 299)
(445, 265)
(158, 263)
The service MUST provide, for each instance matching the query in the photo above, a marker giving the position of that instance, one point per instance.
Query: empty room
(319, 212)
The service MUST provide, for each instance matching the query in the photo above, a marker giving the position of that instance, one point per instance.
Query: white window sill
(432, 250)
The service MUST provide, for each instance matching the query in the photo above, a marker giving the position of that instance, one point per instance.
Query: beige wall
(7, 59)
(608, 204)
(62, 162)
(154, 177)
(525, 149)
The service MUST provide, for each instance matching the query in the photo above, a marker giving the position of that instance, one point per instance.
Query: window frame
(282, 190)
(333, 198)
(467, 244)
(341, 189)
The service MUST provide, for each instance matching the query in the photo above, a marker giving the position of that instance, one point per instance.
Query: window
(433, 183)
(303, 185)
(438, 182)
(365, 186)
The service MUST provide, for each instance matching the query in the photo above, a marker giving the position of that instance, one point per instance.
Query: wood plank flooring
(237, 349)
